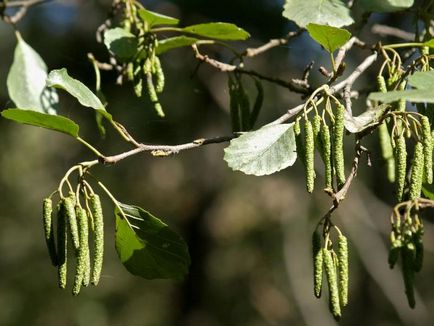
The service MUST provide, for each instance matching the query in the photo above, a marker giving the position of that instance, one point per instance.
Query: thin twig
(385, 30)
(252, 52)
(224, 67)
(165, 150)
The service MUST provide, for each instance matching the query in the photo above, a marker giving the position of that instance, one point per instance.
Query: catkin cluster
(329, 141)
(74, 223)
(394, 147)
(406, 240)
(335, 265)
(146, 71)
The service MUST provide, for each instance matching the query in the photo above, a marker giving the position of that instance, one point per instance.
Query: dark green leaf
(428, 191)
(264, 151)
(60, 79)
(147, 247)
(331, 38)
(153, 18)
(385, 5)
(121, 43)
(174, 42)
(219, 31)
(324, 12)
(38, 119)
(26, 81)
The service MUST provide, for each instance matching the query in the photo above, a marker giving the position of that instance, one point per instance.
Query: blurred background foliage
(249, 237)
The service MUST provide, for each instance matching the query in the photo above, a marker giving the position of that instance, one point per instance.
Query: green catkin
(427, 149)
(95, 206)
(138, 87)
(407, 254)
(338, 146)
(381, 83)
(299, 142)
(159, 75)
(69, 203)
(417, 166)
(343, 269)
(83, 251)
(62, 244)
(47, 209)
(153, 95)
(401, 166)
(317, 263)
(387, 151)
(309, 156)
(316, 127)
(326, 155)
(332, 281)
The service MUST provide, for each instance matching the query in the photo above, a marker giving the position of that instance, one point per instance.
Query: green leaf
(44, 120)
(219, 31)
(26, 81)
(174, 42)
(331, 38)
(385, 5)
(412, 95)
(324, 12)
(429, 43)
(148, 247)
(153, 18)
(264, 151)
(422, 81)
(60, 79)
(121, 43)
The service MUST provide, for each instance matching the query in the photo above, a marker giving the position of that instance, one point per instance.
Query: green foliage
(148, 247)
(61, 79)
(26, 81)
(218, 31)
(121, 43)
(153, 18)
(331, 38)
(174, 42)
(264, 151)
(331, 12)
(385, 5)
(43, 120)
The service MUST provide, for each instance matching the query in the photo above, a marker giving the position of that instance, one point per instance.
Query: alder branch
(349, 81)
(252, 52)
(293, 85)
(165, 150)
(21, 12)
(385, 30)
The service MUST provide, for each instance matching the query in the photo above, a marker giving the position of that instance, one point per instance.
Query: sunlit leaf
(385, 5)
(365, 120)
(43, 120)
(331, 38)
(324, 12)
(26, 81)
(148, 247)
(174, 42)
(121, 43)
(60, 79)
(152, 18)
(264, 151)
(219, 31)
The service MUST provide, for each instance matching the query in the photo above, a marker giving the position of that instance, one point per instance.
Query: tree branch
(252, 52)
(293, 86)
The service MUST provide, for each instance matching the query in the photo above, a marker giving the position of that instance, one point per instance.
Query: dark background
(249, 237)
